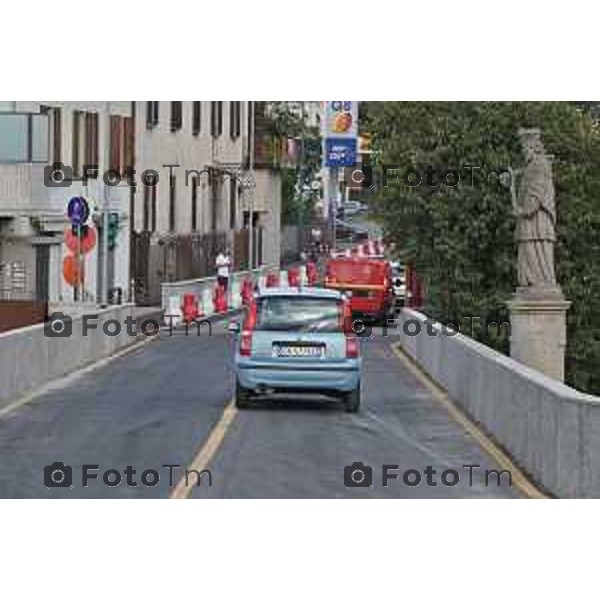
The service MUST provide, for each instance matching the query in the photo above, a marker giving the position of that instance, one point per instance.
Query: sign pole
(104, 290)
(79, 280)
(340, 132)
(333, 183)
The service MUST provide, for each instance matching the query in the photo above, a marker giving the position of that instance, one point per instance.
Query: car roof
(302, 291)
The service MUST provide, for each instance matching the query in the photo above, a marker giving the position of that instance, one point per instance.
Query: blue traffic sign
(340, 152)
(78, 211)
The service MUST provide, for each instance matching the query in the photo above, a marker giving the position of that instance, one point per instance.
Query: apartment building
(34, 136)
(190, 162)
(194, 194)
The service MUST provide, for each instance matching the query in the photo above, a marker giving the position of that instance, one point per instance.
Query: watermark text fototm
(60, 475)
(362, 176)
(358, 475)
(60, 325)
(363, 327)
(59, 174)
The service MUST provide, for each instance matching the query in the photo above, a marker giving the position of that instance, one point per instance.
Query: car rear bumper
(252, 375)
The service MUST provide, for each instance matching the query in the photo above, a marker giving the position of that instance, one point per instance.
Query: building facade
(50, 152)
(194, 193)
(167, 180)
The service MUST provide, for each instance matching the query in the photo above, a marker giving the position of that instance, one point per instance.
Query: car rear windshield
(290, 313)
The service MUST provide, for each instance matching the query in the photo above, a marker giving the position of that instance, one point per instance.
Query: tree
(298, 198)
(461, 237)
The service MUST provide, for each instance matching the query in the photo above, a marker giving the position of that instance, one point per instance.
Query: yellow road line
(62, 381)
(519, 479)
(207, 451)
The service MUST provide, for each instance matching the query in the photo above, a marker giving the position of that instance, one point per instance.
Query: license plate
(289, 351)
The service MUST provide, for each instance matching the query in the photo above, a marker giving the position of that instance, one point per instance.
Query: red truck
(369, 280)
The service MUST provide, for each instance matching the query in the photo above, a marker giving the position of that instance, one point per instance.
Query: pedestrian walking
(223, 264)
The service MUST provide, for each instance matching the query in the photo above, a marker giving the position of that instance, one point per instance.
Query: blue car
(293, 340)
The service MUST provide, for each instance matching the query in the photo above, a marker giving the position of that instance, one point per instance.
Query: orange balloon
(73, 270)
(88, 241)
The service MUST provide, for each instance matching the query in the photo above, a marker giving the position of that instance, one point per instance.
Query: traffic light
(80, 231)
(113, 230)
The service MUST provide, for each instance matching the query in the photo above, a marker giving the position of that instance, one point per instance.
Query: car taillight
(246, 343)
(352, 347)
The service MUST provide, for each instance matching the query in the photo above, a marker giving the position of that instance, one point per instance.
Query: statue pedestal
(538, 337)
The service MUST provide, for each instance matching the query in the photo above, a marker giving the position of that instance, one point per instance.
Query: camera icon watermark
(358, 475)
(359, 325)
(58, 175)
(58, 475)
(58, 325)
(359, 177)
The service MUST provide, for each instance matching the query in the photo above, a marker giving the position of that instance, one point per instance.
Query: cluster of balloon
(80, 238)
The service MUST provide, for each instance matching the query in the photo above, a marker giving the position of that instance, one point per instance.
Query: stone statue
(534, 209)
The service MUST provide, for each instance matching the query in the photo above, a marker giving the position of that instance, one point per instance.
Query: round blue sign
(78, 210)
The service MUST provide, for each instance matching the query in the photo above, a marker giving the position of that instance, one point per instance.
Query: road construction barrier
(272, 280)
(235, 295)
(174, 310)
(203, 288)
(247, 291)
(283, 279)
(312, 273)
(207, 301)
(293, 276)
(302, 277)
(220, 299)
(190, 309)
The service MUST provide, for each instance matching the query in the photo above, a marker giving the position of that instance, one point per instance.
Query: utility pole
(333, 192)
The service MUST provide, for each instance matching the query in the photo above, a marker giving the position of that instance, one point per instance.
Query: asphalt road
(159, 404)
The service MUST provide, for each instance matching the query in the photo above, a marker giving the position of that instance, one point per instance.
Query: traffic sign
(78, 211)
(340, 152)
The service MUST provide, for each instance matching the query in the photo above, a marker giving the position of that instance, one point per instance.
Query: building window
(128, 142)
(151, 114)
(56, 134)
(176, 116)
(76, 138)
(216, 118)
(196, 117)
(91, 144)
(233, 195)
(194, 203)
(116, 143)
(172, 196)
(235, 119)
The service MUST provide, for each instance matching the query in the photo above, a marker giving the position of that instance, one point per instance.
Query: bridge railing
(551, 429)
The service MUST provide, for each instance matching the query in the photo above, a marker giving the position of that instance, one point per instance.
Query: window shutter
(128, 142)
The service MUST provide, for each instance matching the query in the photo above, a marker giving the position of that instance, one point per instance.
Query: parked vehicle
(369, 281)
(350, 232)
(293, 340)
(352, 207)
